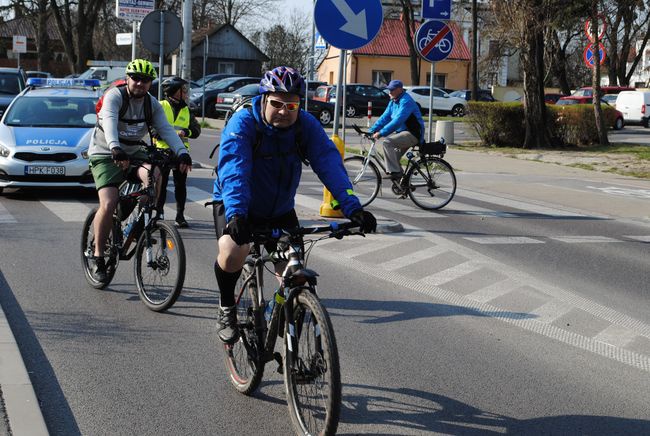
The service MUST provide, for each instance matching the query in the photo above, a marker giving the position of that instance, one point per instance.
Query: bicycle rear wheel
(88, 250)
(432, 183)
(242, 358)
(160, 277)
(311, 374)
(364, 177)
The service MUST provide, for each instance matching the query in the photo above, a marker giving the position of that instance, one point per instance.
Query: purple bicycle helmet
(283, 79)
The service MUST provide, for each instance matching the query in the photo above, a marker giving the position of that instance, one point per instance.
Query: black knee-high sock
(226, 282)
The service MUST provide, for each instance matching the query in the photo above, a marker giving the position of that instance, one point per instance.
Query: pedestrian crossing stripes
(583, 239)
(5, 216)
(67, 211)
(503, 240)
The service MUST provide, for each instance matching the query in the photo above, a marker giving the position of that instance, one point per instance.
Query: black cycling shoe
(180, 222)
(98, 268)
(227, 324)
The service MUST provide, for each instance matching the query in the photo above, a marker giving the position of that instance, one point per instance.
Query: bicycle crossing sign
(434, 40)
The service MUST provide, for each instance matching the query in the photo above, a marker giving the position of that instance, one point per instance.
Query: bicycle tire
(431, 183)
(245, 372)
(157, 294)
(314, 386)
(365, 182)
(88, 249)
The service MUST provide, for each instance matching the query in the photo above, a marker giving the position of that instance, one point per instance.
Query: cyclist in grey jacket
(117, 139)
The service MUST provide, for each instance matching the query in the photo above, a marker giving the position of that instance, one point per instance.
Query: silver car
(45, 134)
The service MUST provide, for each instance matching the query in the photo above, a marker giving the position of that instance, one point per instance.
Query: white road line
(68, 211)
(198, 195)
(549, 312)
(616, 335)
(503, 240)
(493, 291)
(452, 273)
(583, 239)
(5, 216)
(638, 238)
(364, 248)
(411, 258)
(516, 204)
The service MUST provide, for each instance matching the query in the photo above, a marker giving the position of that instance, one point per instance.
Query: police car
(45, 134)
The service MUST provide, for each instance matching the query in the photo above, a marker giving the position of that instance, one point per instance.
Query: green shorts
(107, 173)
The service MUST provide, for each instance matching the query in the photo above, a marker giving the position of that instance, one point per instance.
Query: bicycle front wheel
(311, 374)
(243, 358)
(160, 268)
(111, 256)
(432, 183)
(364, 176)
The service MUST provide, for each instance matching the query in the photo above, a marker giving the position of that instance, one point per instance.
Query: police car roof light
(63, 83)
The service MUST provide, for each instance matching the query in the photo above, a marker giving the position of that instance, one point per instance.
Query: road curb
(21, 405)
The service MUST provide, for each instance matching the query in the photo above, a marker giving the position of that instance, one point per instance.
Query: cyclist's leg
(227, 269)
(108, 177)
(180, 193)
(164, 180)
(395, 146)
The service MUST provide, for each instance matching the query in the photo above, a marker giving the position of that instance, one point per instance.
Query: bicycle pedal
(278, 358)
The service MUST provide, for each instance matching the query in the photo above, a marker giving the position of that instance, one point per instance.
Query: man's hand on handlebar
(185, 163)
(365, 220)
(376, 136)
(120, 157)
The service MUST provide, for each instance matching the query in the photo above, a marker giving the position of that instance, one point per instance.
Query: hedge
(502, 124)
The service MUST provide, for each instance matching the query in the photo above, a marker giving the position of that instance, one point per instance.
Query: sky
(303, 5)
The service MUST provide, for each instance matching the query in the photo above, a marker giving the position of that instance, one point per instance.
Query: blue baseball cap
(394, 84)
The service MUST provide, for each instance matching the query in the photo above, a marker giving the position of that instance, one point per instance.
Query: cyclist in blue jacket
(401, 120)
(259, 168)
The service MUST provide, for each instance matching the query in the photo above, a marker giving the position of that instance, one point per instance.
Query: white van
(635, 106)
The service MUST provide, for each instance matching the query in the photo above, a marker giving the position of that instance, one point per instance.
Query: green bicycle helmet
(141, 66)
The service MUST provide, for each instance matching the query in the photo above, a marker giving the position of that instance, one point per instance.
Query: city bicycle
(428, 180)
(311, 365)
(159, 252)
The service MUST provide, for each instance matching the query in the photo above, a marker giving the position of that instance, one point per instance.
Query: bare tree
(598, 111)
(408, 20)
(286, 44)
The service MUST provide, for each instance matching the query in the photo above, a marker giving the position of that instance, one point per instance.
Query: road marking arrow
(355, 23)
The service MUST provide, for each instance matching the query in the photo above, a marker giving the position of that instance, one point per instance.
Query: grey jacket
(113, 131)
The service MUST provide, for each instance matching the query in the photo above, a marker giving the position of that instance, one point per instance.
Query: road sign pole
(133, 30)
(339, 93)
(433, 69)
(205, 57)
(160, 58)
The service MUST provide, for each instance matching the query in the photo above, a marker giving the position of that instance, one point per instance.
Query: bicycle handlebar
(336, 230)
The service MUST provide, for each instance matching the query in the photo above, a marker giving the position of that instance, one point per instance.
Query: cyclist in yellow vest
(178, 114)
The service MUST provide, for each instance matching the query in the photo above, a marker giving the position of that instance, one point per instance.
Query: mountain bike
(311, 365)
(159, 252)
(428, 179)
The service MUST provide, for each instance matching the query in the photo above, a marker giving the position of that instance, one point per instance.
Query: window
(422, 91)
(439, 80)
(381, 78)
(226, 67)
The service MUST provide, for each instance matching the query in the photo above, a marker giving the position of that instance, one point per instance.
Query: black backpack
(148, 110)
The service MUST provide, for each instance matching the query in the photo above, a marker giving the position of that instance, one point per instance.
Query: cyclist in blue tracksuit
(258, 173)
(401, 120)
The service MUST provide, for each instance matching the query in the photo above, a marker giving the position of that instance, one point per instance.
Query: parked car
(552, 98)
(619, 118)
(215, 88)
(209, 78)
(12, 82)
(45, 134)
(357, 97)
(635, 106)
(231, 102)
(584, 94)
(611, 99)
(322, 93)
(312, 87)
(466, 94)
(443, 103)
(39, 74)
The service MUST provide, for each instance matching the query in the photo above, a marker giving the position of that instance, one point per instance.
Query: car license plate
(42, 170)
(227, 100)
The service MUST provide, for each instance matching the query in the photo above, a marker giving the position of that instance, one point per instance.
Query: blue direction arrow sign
(434, 40)
(436, 9)
(348, 24)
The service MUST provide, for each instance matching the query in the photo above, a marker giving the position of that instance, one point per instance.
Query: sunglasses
(291, 107)
(140, 78)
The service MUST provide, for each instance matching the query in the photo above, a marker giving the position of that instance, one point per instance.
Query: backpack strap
(300, 147)
(148, 110)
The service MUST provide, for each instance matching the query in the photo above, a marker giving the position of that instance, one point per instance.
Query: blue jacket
(395, 117)
(264, 183)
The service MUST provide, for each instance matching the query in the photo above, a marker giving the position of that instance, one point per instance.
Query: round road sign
(150, 31)
(434, 40)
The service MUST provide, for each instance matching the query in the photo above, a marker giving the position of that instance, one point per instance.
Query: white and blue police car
(45, 134)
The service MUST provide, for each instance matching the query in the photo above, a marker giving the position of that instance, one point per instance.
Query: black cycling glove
(365, 220)
(185, 158)
(239, 230)
(119, 155)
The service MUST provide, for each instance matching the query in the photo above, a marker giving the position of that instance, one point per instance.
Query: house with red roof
(387, 58)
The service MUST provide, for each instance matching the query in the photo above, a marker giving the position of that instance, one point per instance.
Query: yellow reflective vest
(182, 121)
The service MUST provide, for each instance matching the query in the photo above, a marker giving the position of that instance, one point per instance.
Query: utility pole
(186, 61)
(474, 43)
